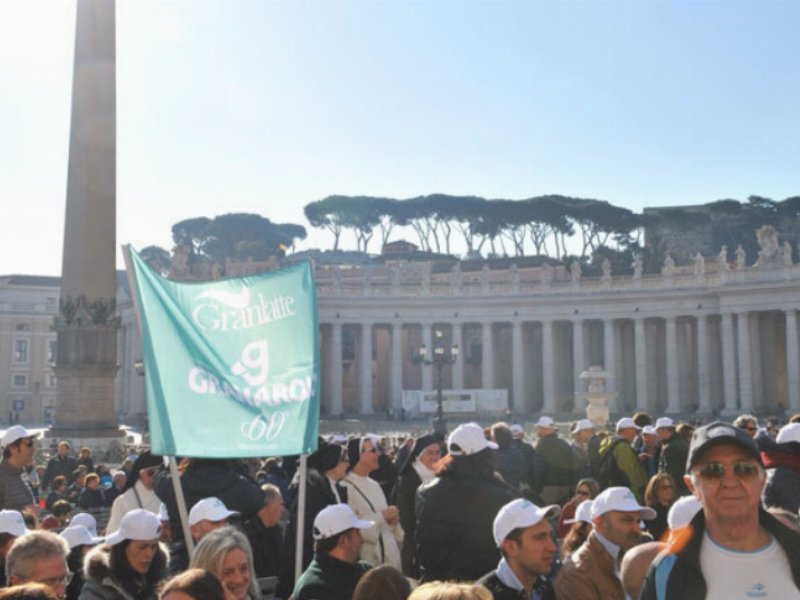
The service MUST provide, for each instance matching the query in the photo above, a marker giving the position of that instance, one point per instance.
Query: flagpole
(301, 519)
(173, 465)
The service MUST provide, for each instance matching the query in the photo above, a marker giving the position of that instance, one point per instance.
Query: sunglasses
(582, 493)
(714, 471)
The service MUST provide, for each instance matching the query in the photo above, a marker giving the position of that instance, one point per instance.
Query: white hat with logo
(86, 520)
(17, 432)
(11, 521)
(520, 513)
(335, 519)
(788, 433)
(546, 422)
(664, 422)
(468, 439)
(78, 535)
(621, 499)
(649, 430)
(210, 509)
(583, 425)
(683, 511)
(138, 524)
(583, 513)
(626, 423)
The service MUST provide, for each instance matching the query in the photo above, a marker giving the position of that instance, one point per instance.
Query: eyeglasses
(583, 493)
(714, 471)
(56, 581)
(751, 428)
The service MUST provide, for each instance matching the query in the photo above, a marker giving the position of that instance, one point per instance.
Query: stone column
(745, 368)
(609, 362)
(336, 370)
(458, 366)
(518, 367)
(578, 360)
(86, 363)
(640, 344)
(365, 369)
(792, 360)
(396, 367)
(729, 366)
(427, 372)
(488, 357)
(548, 369)
(673, 392)
(703, 381)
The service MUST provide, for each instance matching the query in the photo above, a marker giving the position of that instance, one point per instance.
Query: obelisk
(87, 324)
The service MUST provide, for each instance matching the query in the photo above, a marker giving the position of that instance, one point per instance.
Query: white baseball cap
(138, 524)
(517, 429)
(622, 499)
(788, 433)
(664, 422)
(546, 422)
(683, 511)
(583, 513)
(335, 519)
(583, 425)
(210, 509)
(11, 521)
(626, 423)
(520, 513)
(78, 535)
(17, 432)
(86, 520)
(649, 430)
(469, 439)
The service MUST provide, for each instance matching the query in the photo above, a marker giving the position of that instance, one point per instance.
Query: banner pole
(181, 502)
(301, 519)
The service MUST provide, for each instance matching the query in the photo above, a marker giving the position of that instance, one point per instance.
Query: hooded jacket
(100, 583)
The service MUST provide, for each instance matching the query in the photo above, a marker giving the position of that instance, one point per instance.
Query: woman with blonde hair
(227, 554)
(446, 590)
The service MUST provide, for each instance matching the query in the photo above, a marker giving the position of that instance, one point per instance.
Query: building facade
(711, 338)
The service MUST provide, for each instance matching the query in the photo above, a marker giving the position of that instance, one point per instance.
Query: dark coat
(673, 458)
(676, 575)
(100, 583)
(511, 465)
(328, 578)
(455, 514)
(266, 543)
(405, 494)
(500, 591)
(58, 466)
(91, 499)
(318, 496)
(552, 463)
(783, 476)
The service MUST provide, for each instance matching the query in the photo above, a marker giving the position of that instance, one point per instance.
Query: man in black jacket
(524, 534)
(61, 464)
(732, 548)
(553, 466)
(264, 533)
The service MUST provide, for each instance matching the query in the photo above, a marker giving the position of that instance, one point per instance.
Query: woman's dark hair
(144, 461)
(75, 559)
(58, 482)
(384, 582)
(575, 538)
(480, 465)
(502, 435)
(137, 585)
(197, 583)
(61, 508)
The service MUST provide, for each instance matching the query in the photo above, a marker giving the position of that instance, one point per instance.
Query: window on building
(20, 351)
(51, 351)
(51, 380)
(19, 380)
(22, 327)
(19, 405)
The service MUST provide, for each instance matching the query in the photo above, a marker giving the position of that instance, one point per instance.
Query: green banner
(231, 366)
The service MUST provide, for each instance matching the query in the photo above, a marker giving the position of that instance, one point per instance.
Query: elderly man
(207, 515)
(733, 549)
(592, 571)
(264, 533)
(619, 465)
(39, 557)
(335, 569)
(18, 448)
(524, 535)
(61, 464)
(553, 465)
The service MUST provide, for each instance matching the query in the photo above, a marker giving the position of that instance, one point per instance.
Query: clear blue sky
(234, 106)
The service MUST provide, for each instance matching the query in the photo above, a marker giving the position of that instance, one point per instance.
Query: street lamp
(440, 358)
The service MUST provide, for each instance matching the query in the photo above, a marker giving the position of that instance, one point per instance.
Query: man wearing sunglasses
(18, 448)
(733, 548)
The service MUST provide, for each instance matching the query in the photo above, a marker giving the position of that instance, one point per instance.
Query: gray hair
(271, 493)
(742, 421)
(30, 549)
(211, 551)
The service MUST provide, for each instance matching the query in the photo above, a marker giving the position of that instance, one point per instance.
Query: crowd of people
(651, 509)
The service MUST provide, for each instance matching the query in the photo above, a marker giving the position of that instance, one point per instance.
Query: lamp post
(440, 358)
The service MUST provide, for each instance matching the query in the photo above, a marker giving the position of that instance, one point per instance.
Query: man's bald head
(635, 564)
